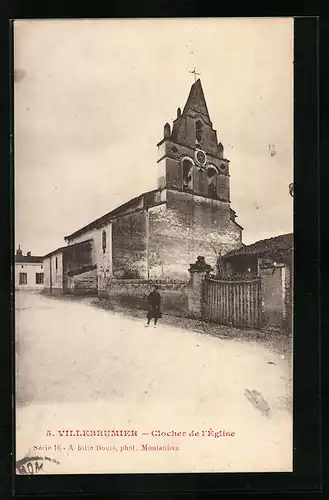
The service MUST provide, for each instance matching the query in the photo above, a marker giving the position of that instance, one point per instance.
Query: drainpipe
(50, 276)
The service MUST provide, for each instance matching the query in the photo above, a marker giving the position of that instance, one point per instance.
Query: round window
(200, 157)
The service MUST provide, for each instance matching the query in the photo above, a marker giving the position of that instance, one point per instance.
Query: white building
(28, 271)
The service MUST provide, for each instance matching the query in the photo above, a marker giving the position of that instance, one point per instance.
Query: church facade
(156, 235)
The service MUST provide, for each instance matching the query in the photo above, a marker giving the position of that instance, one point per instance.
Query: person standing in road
(154, 306)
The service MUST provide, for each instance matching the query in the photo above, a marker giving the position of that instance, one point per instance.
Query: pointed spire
(196, 100)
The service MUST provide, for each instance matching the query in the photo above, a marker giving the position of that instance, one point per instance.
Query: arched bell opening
(212, 180)
(188, 166)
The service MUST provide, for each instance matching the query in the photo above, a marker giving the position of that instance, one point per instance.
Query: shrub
(130, 274)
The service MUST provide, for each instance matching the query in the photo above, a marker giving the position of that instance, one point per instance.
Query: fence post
(198, 271)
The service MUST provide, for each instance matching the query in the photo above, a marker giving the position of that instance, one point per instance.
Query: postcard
(153, 163)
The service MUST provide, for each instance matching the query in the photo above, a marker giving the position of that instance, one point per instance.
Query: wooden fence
(236, 303)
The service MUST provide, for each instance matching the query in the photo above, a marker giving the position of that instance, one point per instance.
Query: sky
(91, 98)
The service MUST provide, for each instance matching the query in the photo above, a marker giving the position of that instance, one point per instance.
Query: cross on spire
(195, 74)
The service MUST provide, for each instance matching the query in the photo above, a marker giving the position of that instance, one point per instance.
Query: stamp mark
(32, 465)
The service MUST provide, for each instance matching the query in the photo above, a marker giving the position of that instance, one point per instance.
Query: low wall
(133, 294)
(83, 283)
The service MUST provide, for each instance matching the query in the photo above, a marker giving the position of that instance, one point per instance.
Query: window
(56, 263)
(104, 241)
(23, 278)
(187, 174)
(39, 278)
(198, 131)
(212, 181)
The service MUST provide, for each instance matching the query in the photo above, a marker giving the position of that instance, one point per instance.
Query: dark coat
(154, 302)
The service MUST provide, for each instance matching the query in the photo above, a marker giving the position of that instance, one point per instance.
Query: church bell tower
(190, 158)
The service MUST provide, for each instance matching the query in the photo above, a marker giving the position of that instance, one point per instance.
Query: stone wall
(129, 246)
(187, 227)
(134, 293)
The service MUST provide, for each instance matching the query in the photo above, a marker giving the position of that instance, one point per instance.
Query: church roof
(196, 100)
(112, 214)
(62, 249)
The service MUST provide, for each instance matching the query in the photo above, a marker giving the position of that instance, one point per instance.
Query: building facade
(70, 269)
(29, 271)
(156, 235)
(248, 260)
(270, 260)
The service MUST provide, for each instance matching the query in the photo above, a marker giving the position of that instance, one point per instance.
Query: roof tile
(283, 242)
